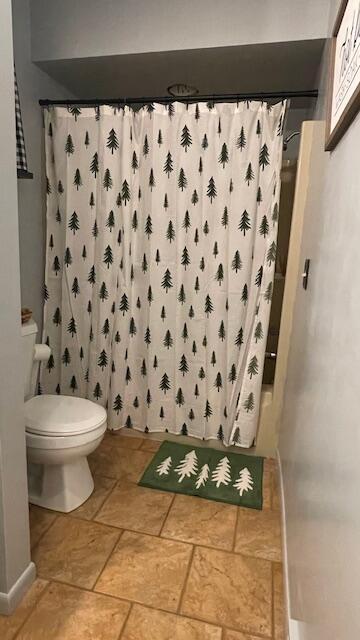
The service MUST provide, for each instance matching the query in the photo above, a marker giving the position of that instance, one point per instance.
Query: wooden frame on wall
(344, 77)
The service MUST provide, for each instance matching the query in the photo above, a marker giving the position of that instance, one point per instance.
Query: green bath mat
(207, 473)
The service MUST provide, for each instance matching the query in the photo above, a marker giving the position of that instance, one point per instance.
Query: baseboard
(9, 601)
(293, 627)
(294, 630)
(290, 634)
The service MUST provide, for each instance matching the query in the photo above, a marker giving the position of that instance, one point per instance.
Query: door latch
(305, 275)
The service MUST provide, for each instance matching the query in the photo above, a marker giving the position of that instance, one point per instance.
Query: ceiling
(252, 68)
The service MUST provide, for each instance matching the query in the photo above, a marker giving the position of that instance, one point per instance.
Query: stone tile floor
(138, 564)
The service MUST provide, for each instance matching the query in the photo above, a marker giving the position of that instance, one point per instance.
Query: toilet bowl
(61, 431)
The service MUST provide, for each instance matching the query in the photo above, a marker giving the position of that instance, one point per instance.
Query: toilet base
(60, 487)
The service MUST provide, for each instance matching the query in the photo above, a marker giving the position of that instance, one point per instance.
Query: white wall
(320, 434)
(33, 84)
(92, 28)
(89, 28)
(14, 524)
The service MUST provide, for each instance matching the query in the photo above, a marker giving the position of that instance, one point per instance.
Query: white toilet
(61, 431)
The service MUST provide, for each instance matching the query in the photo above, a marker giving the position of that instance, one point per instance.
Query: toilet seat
(56, 443)
(62, 416)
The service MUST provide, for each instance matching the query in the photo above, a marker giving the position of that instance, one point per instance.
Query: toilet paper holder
(41, 352)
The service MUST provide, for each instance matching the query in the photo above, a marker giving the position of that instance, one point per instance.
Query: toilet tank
(29, 333)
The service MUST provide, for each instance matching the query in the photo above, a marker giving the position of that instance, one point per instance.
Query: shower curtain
(161, 246)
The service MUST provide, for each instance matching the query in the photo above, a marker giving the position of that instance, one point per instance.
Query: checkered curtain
(21, 162)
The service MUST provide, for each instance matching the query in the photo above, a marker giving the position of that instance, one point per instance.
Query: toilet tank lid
(62, 415)
(28, 328)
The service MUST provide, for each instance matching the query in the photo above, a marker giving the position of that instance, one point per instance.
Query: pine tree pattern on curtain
(161, 247)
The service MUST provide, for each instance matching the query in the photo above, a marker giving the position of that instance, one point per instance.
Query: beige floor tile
(279, 610)
(146, 569)
(66, 613)
(39, 520)
(276, 502)
(267, 483)
(238, 635)
(74, 551)
(117, 438)
(151, 445)
(147, 624)
(200, 521)
(138, 508)
(271, 463)
(118, 462)
(9, 625)
(92, 505)
(258, 534)
(230, 590)
(92, 460)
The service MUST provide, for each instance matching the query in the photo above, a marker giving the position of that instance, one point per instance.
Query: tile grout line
(132, 603)
(73, 514)
(232, 549)
(121, 531)
(195, 544)
(92, 519)
(88, 590)
(166, 516)
(246, 632)
(58, 514)
(168, 611)
(204, 546)
(93, 522)
(235, 531)
(42, 594)
(124, 450)
(272, 601)
(126, 620)
(216, 623)
(182, 593)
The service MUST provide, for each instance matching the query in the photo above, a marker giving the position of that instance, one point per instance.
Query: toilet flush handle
(41, 352)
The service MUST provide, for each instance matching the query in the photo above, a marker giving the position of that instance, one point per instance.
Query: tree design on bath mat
(244, 481)
(203, 476)
(188, 466)
(164, 466)
(221, 475)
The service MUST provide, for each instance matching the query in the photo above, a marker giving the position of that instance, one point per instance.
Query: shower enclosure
(161, 249)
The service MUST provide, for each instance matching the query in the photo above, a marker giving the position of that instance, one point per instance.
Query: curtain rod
(216, 97)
